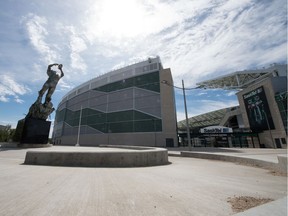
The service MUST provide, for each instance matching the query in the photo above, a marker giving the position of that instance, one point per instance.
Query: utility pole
(187, 121)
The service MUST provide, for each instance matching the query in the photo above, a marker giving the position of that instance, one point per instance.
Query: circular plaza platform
(102, 156)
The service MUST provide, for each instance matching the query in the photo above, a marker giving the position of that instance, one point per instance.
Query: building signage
(216, 129)
(257, 109)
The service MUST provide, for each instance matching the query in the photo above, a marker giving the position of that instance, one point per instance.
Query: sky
(197, 39)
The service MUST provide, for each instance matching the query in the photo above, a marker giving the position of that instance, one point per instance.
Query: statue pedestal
(33, 131)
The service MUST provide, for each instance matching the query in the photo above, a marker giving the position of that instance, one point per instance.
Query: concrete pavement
(188, 186)
(274, 160)
(271, 159)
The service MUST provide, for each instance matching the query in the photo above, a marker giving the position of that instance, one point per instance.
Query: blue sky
(197, 39)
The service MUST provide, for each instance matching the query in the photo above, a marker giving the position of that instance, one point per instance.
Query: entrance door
(278, 143)
(169, 142)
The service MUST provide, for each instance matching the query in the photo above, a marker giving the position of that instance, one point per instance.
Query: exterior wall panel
(127, 109)
(277, 130)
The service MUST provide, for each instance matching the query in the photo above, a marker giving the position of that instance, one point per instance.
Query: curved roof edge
(242, 79)
(208, 119)
(139, 68)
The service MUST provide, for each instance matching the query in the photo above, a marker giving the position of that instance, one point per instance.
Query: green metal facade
(130, 105)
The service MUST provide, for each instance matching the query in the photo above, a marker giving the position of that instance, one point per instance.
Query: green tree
(6, 133)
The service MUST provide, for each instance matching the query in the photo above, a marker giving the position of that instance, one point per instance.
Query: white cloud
(196, 39)
(9, 87)
(202, 93)
(121, 20)
(64, 86)
(35, 26)
(77, 45)
(77, 62)
(231, 93)
(37, 74)
(18, 100)
(3, 98)
(225, 37)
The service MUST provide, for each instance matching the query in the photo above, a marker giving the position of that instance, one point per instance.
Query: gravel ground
(242, 203)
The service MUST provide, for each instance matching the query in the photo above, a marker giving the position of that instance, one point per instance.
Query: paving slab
(187, 186)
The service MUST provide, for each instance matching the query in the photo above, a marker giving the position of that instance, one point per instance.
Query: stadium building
(260, 120)
(128, 106)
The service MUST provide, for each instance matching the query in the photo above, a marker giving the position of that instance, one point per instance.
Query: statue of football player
(50, 84)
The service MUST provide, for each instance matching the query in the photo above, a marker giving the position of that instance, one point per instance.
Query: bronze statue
(39, 110)
(51, 83)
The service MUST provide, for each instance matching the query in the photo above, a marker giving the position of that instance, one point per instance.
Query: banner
(257, 109)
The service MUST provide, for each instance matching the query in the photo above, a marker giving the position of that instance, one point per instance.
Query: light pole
(185, 106)
(78, 137)
(186, 115)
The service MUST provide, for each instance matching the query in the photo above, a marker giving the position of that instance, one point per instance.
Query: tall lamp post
(186, 115)
(79, 128)
(185, 105)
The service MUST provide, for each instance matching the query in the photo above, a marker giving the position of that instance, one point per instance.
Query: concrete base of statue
(33, 131)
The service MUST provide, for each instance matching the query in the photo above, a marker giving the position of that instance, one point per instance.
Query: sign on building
(216, 129)
(257, 109)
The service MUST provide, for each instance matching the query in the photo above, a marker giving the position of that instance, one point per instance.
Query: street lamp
(185, 106)
(79, 128)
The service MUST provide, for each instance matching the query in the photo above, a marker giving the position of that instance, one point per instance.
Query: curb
(281, 166)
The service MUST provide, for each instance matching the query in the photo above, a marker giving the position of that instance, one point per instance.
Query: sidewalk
(272, 159)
